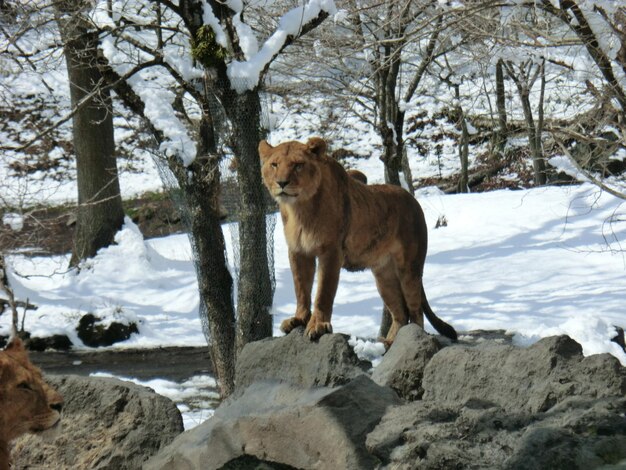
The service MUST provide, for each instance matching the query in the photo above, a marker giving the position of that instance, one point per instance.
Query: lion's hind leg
(411, 282)
(418, 306)
(390, 290)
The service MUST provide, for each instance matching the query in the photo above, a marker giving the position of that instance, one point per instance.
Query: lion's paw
(317, 328)
(290, 323)
(386, 342)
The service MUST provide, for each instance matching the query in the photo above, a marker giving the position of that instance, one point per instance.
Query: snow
(245, 75)
(14, 221)
(534, 262)
(210, 19)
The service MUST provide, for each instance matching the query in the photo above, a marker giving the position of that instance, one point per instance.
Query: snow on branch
(157, 98)
(245, 75)
(158, 105)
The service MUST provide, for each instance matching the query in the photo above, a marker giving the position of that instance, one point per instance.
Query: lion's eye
(274, 165)
(298, 166)
(24, 386)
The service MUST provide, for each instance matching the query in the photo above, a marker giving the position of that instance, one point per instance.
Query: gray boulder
(402, 367)
(579, 433)
(279, 424)
(521, 380)
(294, 359)
(495, 406)
(106, 424)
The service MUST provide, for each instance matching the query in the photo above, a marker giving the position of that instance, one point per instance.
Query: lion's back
(384, 219)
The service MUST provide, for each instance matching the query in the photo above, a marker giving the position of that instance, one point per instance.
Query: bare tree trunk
(406, 170)
(523, 80)
(10, 301)
(255, 292)
(386, 79)
(100, 214)
(199, 191)
(500, 137)
(579, 24)
(214, 280)
(463, 144)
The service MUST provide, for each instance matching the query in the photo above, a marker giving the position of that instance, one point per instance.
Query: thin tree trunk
(100, 214)
(200, 187)
(406, 170)
(541, 163)
(463, 144)
(214, 280)
(255, 292)
(539, 168)
(500, 136)
(215, 283)
(199, 190)
(524, 85)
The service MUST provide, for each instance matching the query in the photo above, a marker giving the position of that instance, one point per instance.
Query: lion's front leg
(303, 271)
(328, 270)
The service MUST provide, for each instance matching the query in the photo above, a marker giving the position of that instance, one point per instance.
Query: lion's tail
(437, 323)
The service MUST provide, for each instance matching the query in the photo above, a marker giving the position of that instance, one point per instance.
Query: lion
(27, 403)
(332, 216)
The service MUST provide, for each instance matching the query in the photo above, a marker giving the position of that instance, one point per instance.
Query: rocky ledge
(428, 405)
(106, 424)
(481, 404)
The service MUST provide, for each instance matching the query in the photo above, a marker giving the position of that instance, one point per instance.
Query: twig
(4, 285)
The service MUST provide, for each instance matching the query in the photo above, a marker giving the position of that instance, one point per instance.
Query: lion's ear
(15, 345)
(264, 150)
(317, 145)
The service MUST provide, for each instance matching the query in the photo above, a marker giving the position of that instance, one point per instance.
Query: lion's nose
(282, 184)
(57, 406)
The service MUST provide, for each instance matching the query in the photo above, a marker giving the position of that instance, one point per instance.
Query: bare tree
(10, 297)
(388, 32)
(525, 75)
(100, 212)
(219, 113)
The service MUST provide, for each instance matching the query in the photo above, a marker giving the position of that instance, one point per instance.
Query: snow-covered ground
(533, 262)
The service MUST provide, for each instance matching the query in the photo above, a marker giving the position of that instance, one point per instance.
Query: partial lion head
(27, 402)
(291, 170)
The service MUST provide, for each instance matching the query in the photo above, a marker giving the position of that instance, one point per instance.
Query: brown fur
(357, 175)
(27, 403)
(344, 223)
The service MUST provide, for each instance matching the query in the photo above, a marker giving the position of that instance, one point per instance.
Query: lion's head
(291, 170)
(27, 402)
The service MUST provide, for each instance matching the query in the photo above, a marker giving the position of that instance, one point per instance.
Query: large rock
(278, 423)
(484, 406)
(106, 424)
(93, 332)
(297, 360)
(579, 433)
(402, 367)
(495, 406)
(521, 380)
